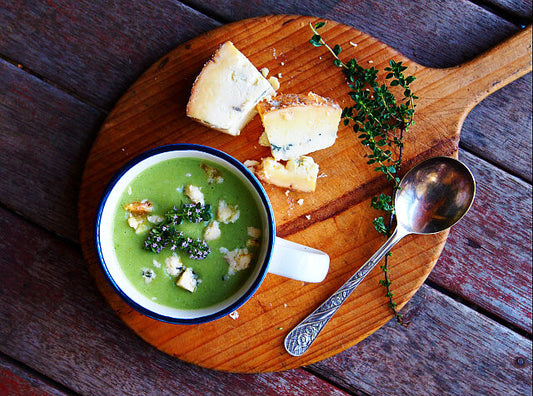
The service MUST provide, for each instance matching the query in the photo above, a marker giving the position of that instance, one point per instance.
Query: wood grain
(493, 360)
(483, 250)
(14, 380)
(46, 136)
(518, 10)
(508, 129)
(416, 29)
(93, 48)
(151, 113)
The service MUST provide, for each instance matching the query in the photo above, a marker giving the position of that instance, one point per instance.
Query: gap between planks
(495, 164)
(35, 375)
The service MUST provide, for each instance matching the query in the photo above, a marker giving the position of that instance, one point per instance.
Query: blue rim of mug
(268, 252)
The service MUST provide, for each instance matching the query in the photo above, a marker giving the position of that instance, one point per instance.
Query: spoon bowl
(431, 197)
(434, 195)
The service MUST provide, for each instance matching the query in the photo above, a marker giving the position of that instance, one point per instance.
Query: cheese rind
(297, 125)
(227, 90)
(298, 174)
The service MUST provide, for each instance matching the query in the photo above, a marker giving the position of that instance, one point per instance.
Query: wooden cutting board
(337, 218)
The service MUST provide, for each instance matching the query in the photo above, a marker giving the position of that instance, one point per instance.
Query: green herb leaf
(316, 40)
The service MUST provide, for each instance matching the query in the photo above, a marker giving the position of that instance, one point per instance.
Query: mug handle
(299, 262)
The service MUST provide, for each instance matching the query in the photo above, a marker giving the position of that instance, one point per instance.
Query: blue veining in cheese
(299, 124)
(226, 92)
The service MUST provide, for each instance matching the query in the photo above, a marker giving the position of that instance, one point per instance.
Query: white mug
(276, 255)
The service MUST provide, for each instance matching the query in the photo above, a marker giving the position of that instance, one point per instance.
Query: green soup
(163, 186)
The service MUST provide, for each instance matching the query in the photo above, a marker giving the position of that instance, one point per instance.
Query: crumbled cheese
(274, 82)
(148, 275)
(238, 259)
(213, 175)
(173, 265)
(138, 223)
(234, 315)
(252, 242)
(263, 140)
(130, 191)
(298, 174)
(155, 219)
(135, 221)
(156, 263)
(187, 280)
(212, 231)
(254, 232)
(300, 201)
(308, 217)
(353, 44)
(251, 164)
(138, 208)
(264, 71)
(194, 193)
(227, 213)
(137, 215)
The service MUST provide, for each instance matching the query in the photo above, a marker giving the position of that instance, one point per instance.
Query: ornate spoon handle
(299, 339)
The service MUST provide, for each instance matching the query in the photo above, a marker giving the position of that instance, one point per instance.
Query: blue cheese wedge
(297, 125)
(297, 174)
(227, 90)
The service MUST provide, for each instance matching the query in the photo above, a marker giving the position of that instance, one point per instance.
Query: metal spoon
(432, 197)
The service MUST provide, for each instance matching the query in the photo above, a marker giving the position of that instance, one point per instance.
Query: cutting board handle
(493, 69)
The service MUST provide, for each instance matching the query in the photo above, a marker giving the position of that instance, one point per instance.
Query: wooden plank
(426, 32)
(55, 321)
(488, 256)
(14, 380)
(519, 10)
(46, 136)
(94, 48)
(447, 349)
(499, 128)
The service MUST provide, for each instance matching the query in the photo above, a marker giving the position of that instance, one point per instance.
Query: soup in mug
(187, 233)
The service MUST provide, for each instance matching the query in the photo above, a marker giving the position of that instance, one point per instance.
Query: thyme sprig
(380, 120)
(166, 233)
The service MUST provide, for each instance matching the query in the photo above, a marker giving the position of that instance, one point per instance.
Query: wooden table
(63, 66)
